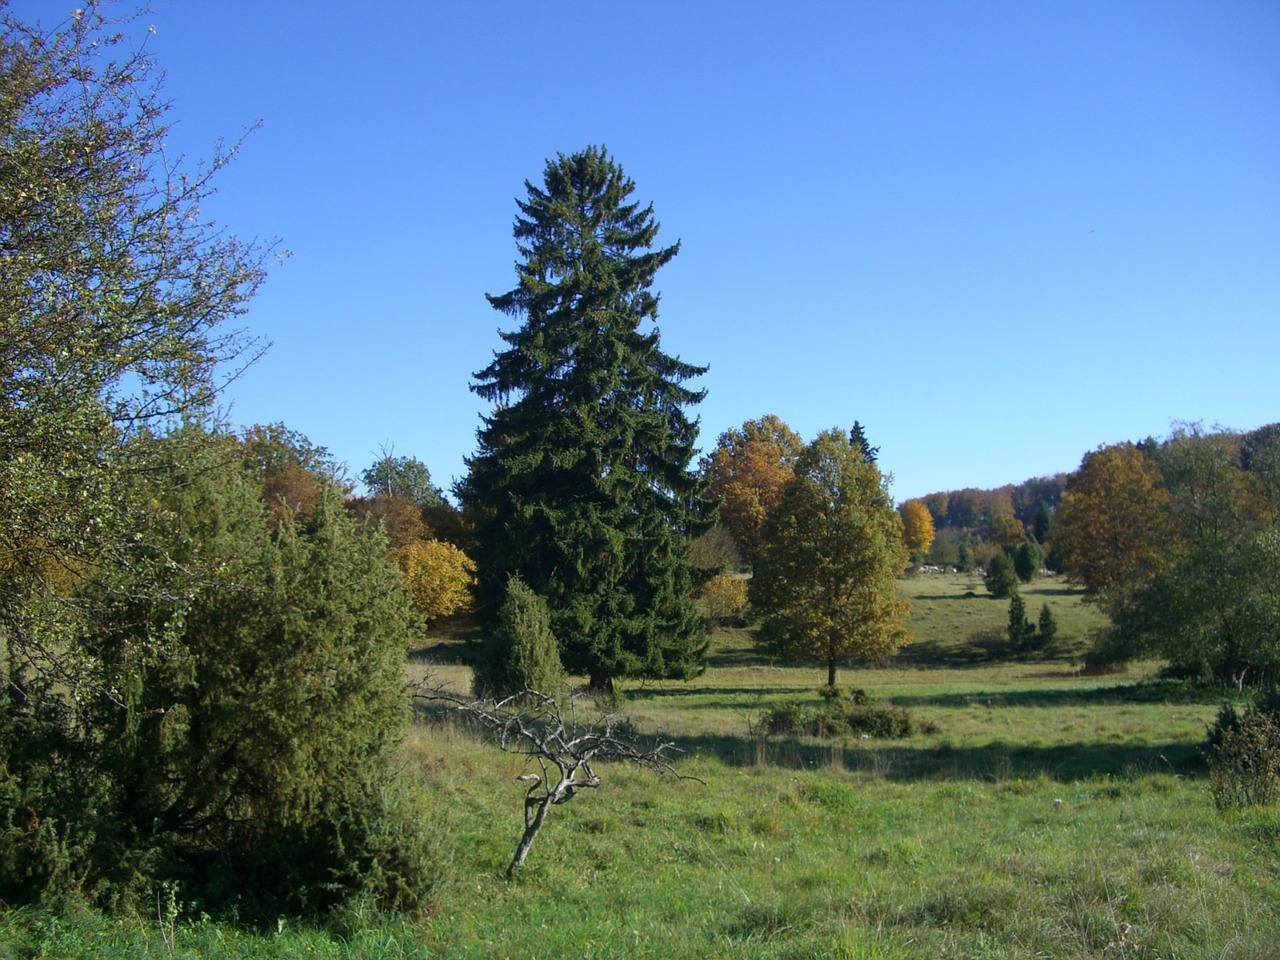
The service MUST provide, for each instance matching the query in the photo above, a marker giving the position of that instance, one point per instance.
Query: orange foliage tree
(745, 475)
(1112, 529)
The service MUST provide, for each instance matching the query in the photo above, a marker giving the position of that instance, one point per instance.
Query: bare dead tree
(563, 746)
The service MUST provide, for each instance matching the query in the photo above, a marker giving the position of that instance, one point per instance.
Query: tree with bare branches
(564, 747)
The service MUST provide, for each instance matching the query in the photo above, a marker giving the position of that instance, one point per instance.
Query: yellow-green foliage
(723, 597)
(827, 577)
(917, 527)
(439, 576)
(235, 726)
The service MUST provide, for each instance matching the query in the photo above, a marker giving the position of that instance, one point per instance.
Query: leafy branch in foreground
(564, 747)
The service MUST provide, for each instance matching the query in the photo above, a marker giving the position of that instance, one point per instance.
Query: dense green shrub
(238, 732)
(839, 716)
(1027, 561)
(1244, 753)
(521, 652)
(1021, 631)
(1001, 581)
(1048, 627)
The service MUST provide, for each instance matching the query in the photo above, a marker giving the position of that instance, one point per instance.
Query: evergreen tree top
(583, 290)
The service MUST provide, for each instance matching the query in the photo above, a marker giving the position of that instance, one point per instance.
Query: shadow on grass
(995, 762)
(983, 649)
(990, 763)
(1160, 691)
(653, 693)
(1033, 589)
(446, 651)
(741, 656)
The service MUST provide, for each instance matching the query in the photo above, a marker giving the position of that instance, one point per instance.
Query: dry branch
(563, 745)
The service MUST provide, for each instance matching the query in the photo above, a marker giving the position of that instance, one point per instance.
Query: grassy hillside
(1046, 813)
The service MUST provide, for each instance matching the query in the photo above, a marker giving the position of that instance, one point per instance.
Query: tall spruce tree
(581, 483)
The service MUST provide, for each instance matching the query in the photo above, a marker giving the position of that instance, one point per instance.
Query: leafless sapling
(563, 746)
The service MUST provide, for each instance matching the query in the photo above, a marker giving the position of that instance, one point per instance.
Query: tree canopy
(201, 677)
(1212, 607)
(917, 527)
(115, 296)
(1111, 532)
(405, 477)
(581, 482)
(827, 577)
(745, 475)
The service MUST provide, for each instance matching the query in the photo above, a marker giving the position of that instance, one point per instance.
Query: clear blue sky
(997, 234)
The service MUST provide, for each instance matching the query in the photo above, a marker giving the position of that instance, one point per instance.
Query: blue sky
(997, 234)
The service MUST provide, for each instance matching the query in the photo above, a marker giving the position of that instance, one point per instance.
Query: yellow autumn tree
(1112, 529)
(439, 576)
(723, 597)
(917, 527)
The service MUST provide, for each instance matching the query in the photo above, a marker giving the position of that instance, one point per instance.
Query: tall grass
(1050, 814)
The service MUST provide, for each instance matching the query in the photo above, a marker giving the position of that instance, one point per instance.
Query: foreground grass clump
(1049, 814)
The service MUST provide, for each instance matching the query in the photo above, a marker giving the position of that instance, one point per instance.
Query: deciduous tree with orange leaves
(1112, 529)
(745, 475)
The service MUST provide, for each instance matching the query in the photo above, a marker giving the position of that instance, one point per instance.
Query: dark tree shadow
(653, 693)
(446, 651)
(1158, 691)
(1062, 763)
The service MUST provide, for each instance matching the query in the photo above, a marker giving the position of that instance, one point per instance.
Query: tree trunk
(602, 684)
(530, 834)
(831, 672)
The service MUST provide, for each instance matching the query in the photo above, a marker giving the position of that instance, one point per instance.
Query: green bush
(521, 652)
(1244, 753)
(237, 725)
(838, 716)
(1021, 631)
(1048, 627)
(1001, 581)
(1027, 561)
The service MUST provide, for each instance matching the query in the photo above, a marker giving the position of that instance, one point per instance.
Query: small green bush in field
(1244, 753)
(1001, 580)
(838, 716)
(521, 653)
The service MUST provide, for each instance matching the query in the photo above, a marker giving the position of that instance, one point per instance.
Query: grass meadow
(1038, 811)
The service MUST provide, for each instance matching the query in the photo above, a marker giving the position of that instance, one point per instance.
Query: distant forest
(988, 520)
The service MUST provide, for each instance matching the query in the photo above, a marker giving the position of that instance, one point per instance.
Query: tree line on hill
(1175, 539)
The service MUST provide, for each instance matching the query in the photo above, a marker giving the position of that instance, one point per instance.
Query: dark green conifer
(582, 482)
(1021, 631)
(1048, 626)
(1027, 560)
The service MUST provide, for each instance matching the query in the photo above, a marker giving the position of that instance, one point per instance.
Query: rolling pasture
(1036, 811)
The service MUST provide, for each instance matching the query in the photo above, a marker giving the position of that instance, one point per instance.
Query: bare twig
(565, 748)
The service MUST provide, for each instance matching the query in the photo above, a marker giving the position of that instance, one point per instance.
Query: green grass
(1051, 814)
